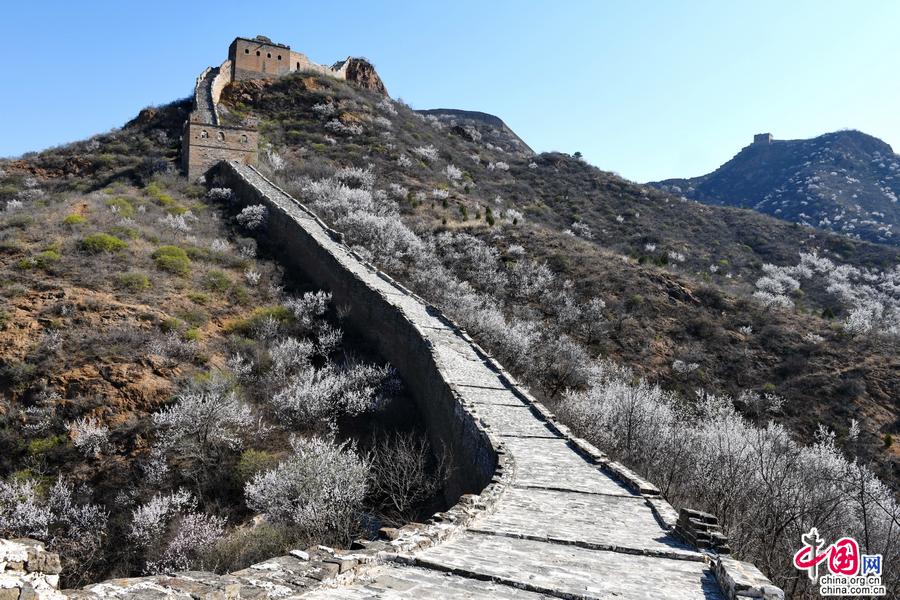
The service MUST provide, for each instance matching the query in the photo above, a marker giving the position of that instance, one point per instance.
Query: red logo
(842, 555)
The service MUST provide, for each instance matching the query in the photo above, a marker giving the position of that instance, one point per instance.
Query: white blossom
(319, 488)
(89, 435)
(253, 216)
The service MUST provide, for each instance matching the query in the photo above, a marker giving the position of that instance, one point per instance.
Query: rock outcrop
(361, 72)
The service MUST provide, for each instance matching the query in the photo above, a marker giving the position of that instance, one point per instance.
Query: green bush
(170, 324)
(240, 294)
(123, 206)
(172, 259)
(97, 243)
(41, 260)
(197, 253)
(44, 259)
(216, 281)
(253, 462)
(19, 374)
(133, 282)
(4, 319)
(194, 317)
(192, 335)
(74, 219)
(244, 547)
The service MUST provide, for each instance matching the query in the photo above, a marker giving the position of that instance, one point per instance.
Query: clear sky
(647, 89)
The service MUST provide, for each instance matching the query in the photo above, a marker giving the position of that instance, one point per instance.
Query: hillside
(149, 354)
(847, 182)
(674, 276)
(595, 291)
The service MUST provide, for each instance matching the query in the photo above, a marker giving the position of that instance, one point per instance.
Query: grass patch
(198, 297)
(246, 326)
(74, 220)
(124, 232)
(45, 444)
(166, 200)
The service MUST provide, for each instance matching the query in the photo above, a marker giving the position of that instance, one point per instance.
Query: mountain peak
(845, 181)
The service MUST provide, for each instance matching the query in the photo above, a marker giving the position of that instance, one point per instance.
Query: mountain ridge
(845, 181)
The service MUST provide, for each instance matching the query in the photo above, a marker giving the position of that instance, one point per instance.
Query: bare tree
(405, 473)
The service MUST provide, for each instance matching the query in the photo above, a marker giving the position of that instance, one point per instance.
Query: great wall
(538, 513)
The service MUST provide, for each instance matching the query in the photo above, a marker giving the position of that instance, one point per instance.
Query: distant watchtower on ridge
(763, 138)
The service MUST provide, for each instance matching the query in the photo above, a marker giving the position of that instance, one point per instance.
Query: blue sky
(647, 89)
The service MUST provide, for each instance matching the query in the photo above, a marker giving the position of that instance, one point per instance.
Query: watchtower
(205, 144)
(258, 58)
(763, 138)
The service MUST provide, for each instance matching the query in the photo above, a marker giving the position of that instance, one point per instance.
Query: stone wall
(222, 78)
(27, 571)
(373, 315)
(301, 62)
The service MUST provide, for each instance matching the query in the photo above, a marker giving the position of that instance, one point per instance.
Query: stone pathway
(204, 109)
(565, 528)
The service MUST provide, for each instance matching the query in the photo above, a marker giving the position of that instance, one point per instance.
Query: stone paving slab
(622, 521)
(552, 463)
(480, 395)
(423, 584)
(512, 420)
(572, 570)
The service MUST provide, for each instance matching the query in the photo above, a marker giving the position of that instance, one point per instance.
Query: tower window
(246, 50)
(204, 134)
(220, 136)
(279, 57)
(244, 139)
(268, 55)
(257, 52)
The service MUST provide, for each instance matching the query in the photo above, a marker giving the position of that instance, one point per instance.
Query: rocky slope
(128, 294)
(676, 276)
(847, 182)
